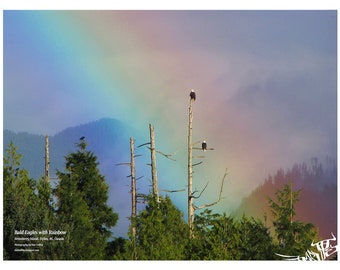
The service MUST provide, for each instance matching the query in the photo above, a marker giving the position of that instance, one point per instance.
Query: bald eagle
(192, 95)
(204, 146)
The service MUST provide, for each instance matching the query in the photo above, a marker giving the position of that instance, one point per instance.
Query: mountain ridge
(109, 138)
(317, 204)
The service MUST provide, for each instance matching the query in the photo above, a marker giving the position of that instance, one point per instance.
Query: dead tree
(190, 194)
(133, 196)
(47, 160)
(153, 163)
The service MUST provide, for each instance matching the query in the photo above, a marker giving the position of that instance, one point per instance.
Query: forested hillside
(73, 220)
(318, 200)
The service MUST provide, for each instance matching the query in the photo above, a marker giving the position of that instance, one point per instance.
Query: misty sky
(266, 80)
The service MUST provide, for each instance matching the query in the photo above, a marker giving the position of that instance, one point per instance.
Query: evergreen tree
(46, 219)
(117, 249)
(161, 231)
(82, 207)
(26, 206)
(210, 232)
(14, 207)
(218, 237)
(293, 237)
(255, 242)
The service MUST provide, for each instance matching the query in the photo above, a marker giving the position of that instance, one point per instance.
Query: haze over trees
(317, 198)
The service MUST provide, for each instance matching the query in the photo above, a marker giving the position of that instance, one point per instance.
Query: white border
(170, 4)
(159, 5)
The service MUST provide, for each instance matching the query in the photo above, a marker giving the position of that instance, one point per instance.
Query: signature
(324, 247)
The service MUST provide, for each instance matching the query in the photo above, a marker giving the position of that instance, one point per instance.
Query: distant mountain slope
(107, 138)
(104, 137)
(318, 199)
(32, 148)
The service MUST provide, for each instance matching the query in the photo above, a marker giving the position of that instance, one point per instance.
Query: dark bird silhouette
(82, 138)
(204, 146)
(192, 95)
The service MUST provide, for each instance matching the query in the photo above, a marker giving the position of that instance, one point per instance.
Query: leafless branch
(196, 143)
(199, 148)
(219, 198)
(197, 164)
(172, 191)
(169, 156)
(124, 163)
(196, 197)
(192, 194)
(143, 144)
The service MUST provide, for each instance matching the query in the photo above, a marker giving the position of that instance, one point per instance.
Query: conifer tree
(15, 184)
(162, 234)
(82, 207)
(221, 237)
(293, 237)
(26, 206)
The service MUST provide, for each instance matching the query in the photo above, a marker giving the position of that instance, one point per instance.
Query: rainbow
(135, 66)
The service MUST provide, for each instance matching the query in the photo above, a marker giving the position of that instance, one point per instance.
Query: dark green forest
(71, 220)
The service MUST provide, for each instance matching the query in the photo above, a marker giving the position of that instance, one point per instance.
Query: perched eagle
(82, 138)
(192, 95)
(204, 146)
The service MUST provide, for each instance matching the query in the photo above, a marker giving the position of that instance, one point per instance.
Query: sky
(266, 84)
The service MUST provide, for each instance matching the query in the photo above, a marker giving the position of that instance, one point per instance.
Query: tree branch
(172, 191)
(124, 163)
(198, 157)
(197, 164)
(199, 148)
(195, 144)
(143, 144)
(219, 198)
(167, 155)
(196, 197)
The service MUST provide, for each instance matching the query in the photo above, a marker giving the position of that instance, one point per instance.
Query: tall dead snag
(47, 160)
(291, 202)
(153, 163)
(133, 197)
(190, 195)
(153, 152)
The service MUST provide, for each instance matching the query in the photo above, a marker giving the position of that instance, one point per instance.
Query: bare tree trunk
(47, 160)
(190, 195)
(133, 197)
(153, 163)
(291, 202)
